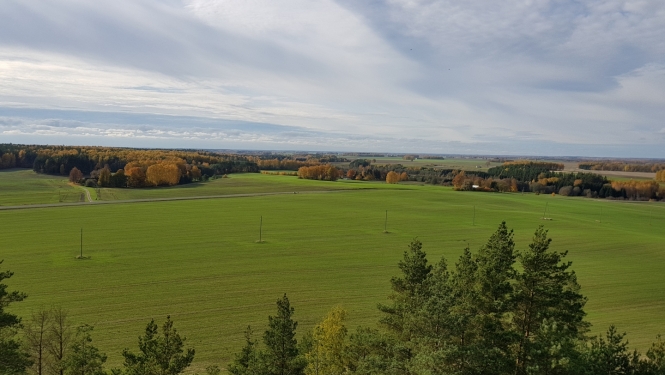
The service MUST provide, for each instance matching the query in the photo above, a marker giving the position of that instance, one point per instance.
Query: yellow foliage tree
(329, 342)
(392, 177)
(404, 177)
(163, 174)
(660, 176)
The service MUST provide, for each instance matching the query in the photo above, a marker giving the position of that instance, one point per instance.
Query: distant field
(23, 186)
(198, 260)
(449, 163)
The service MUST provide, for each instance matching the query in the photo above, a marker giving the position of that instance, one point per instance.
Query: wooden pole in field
(261, 230)
(601, 215)
(545, 212)
(474, 215)
(385, 224)
(81, 243)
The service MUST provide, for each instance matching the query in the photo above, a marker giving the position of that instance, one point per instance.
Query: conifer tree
(84, 358)
(159, 354)
(246, 362)
(409, 292)
(546, 291)
(13, 360)
(282, 356)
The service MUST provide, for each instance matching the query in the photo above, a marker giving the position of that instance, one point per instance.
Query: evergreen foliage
(13, 360)
(159, 354)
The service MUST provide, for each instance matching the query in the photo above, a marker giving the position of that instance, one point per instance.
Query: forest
(622, 166)
(123, 167)
(497, 310)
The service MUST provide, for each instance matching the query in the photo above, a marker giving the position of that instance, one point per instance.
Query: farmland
(199, 260)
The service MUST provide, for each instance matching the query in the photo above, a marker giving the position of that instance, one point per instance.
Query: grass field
(23, 186)
(448, 163)
(199, 261)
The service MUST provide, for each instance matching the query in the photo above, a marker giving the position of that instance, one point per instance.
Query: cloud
(419, 72)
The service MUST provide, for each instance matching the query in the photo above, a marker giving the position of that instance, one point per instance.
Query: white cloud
(407, 71)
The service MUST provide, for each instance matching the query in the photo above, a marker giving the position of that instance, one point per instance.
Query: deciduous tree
(36, 337)
(326, 356)
(75, 175)
(59, 339)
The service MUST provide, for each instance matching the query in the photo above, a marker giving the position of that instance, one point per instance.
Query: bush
(566, 191)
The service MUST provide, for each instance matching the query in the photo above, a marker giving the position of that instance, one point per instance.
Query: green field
(199, 261)
(448, 163)
(23, 186)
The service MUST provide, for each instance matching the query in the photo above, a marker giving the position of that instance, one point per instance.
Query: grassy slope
(234, 184)
(199, 262)
(23, 186)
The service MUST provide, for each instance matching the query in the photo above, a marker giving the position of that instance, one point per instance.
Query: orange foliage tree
(161, 174)
(392, 177)
(75, 175)
(319, 172)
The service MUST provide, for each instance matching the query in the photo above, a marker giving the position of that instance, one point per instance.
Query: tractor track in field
(148, 200)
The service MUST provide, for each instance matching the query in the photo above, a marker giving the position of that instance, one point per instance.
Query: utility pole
(261, 230)
(474, 215)
(385, 224)
(81, 243)
(545, 212)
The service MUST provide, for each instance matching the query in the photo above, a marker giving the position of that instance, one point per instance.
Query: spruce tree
(282, 356)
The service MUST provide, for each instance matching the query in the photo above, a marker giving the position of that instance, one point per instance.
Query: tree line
(622, 166)
(123, 167)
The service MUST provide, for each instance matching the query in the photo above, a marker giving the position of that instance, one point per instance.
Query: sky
(511, 77)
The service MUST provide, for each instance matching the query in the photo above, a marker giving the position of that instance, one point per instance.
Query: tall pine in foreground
(548, 308)
(281, 356)
(13, 360)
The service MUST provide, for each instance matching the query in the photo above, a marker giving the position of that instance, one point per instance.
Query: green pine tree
(83, 357)
(159, 354)
(281, 356)
(13, 360)
(546, 292)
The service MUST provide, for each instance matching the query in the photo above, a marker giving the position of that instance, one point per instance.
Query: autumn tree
(404, 177)
(351, 174)
(458, 180)
(660, 176)
(135, 177)
(163, 174)
(104, 179)
(75, 175)
(13, 360)
(392, 177)
(326, 356)
(159, 353)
